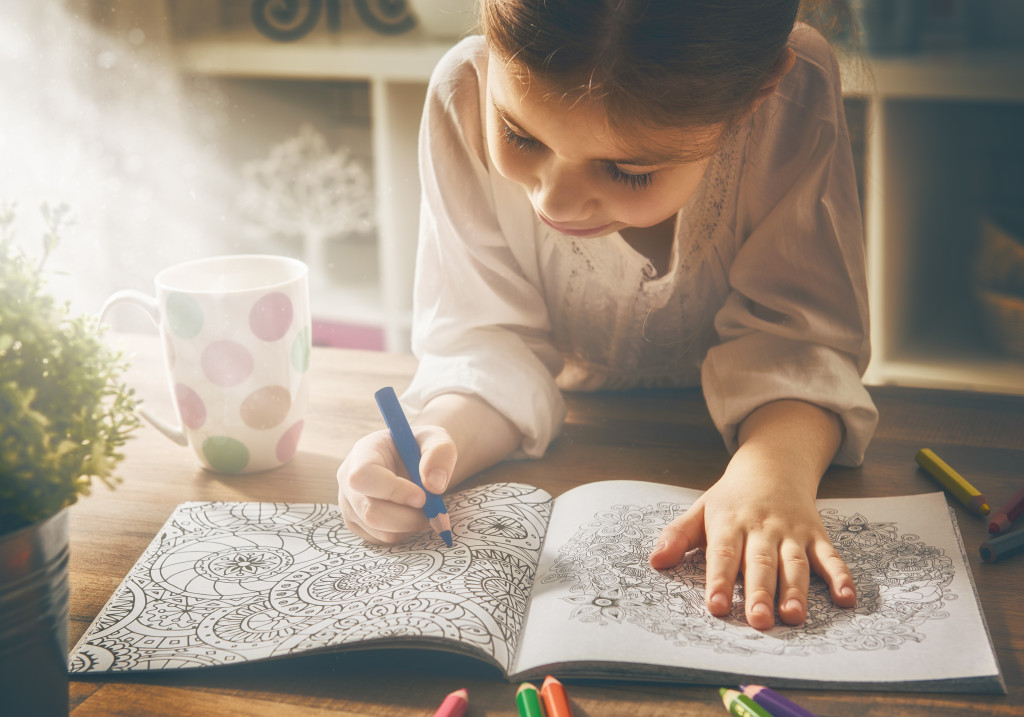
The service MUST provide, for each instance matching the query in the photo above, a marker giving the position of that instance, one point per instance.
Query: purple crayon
(775, 703)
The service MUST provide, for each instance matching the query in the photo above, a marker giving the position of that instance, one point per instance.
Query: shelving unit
(376, 286)
(935, 125)
(942, 131)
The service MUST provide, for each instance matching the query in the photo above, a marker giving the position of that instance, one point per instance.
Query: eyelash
(517, 140)
(636, 182)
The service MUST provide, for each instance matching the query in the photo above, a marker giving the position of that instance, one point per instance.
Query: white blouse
(764, 298)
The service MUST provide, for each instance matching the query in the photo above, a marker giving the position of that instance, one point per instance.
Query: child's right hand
(377, 500)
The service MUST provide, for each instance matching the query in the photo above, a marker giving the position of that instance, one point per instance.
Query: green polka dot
(225, 455)
(300, 351)
(184, 315)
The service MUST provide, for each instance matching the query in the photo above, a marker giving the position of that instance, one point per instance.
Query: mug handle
(149, 305)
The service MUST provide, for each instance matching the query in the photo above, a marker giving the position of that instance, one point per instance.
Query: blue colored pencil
(409, 451)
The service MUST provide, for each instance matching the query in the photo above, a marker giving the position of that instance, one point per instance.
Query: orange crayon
(556, 701)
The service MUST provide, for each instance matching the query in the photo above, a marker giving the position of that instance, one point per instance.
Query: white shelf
(943, 147)
(987, 374)
(984, 76)
(348, 58)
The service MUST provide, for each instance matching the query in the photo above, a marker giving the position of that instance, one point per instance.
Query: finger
(369, 497)
(438, 461)
(678, 538)
(794, 579)
(828, 565)
(353, 524)
(723, 564)
(760, 577)
(373, 480)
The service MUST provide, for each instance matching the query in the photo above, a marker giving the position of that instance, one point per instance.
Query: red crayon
(775, 703)
(454, 704)
(1007, 513)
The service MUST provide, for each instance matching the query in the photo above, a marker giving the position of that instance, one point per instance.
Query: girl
(622, 193)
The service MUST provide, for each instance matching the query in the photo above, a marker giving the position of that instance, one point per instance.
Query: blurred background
(174, 129)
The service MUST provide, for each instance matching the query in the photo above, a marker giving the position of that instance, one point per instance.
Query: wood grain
(664, 436)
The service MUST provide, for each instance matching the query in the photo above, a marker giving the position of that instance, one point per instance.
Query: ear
(782, 67)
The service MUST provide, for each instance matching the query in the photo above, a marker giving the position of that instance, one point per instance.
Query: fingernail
(761, 609)
(846, 592)
(436, 480)
(659, 547)
(719, 601)
(794, 605)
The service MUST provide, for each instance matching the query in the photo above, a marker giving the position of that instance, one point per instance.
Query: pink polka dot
(190, 406)
(271, 316)
(289, 442)
(226, 363)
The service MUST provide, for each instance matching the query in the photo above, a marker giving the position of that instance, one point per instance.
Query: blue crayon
(1003, 546)
(409, 451)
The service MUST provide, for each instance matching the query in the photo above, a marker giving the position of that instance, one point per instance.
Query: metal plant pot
(34, 619)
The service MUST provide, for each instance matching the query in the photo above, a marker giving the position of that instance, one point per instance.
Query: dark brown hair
(650, 63)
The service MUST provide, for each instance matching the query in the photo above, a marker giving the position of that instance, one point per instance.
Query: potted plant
(64, 417)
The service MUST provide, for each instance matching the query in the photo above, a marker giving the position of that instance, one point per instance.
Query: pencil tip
(446, 536)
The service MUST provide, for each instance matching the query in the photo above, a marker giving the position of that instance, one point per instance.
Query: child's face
(582, 179)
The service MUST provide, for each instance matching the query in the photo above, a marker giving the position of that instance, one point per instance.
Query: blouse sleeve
(480, 324)
(795, 323)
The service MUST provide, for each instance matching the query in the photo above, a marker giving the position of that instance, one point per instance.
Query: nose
(562, 193)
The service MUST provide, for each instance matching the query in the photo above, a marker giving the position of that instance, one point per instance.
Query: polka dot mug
(236, 338)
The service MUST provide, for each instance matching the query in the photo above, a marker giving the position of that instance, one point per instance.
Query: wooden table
(660, 436)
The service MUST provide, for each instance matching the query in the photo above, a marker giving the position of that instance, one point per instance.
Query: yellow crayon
(952, 481)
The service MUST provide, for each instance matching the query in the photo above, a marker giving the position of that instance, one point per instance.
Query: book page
(226, 583)
(597, 603)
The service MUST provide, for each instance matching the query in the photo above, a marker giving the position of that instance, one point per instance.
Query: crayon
(776, 704)
(556, 701)
(528, 701)
(409, 450)
(454, 704)
(952, 481)
(739, 705)
(1002, 546)
(1007, 513)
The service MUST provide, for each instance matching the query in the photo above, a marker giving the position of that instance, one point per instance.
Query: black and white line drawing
(901, 583)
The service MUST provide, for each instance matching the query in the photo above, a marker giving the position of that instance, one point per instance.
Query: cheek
(643, 209)
(665, 197)
(510, 164)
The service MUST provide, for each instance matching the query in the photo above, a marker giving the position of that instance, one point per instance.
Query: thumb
(678, 538)
(438, 460)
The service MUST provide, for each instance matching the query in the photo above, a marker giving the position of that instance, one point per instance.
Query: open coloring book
(536, 586)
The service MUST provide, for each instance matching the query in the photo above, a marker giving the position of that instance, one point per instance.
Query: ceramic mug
(236, 336)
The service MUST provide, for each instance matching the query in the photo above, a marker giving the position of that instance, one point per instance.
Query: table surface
(664, 436)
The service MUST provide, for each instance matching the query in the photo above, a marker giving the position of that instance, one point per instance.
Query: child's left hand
(761, 519)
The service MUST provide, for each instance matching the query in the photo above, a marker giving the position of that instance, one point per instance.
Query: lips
(570, 230)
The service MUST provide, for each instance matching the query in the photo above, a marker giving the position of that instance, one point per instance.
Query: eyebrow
(649, 161)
